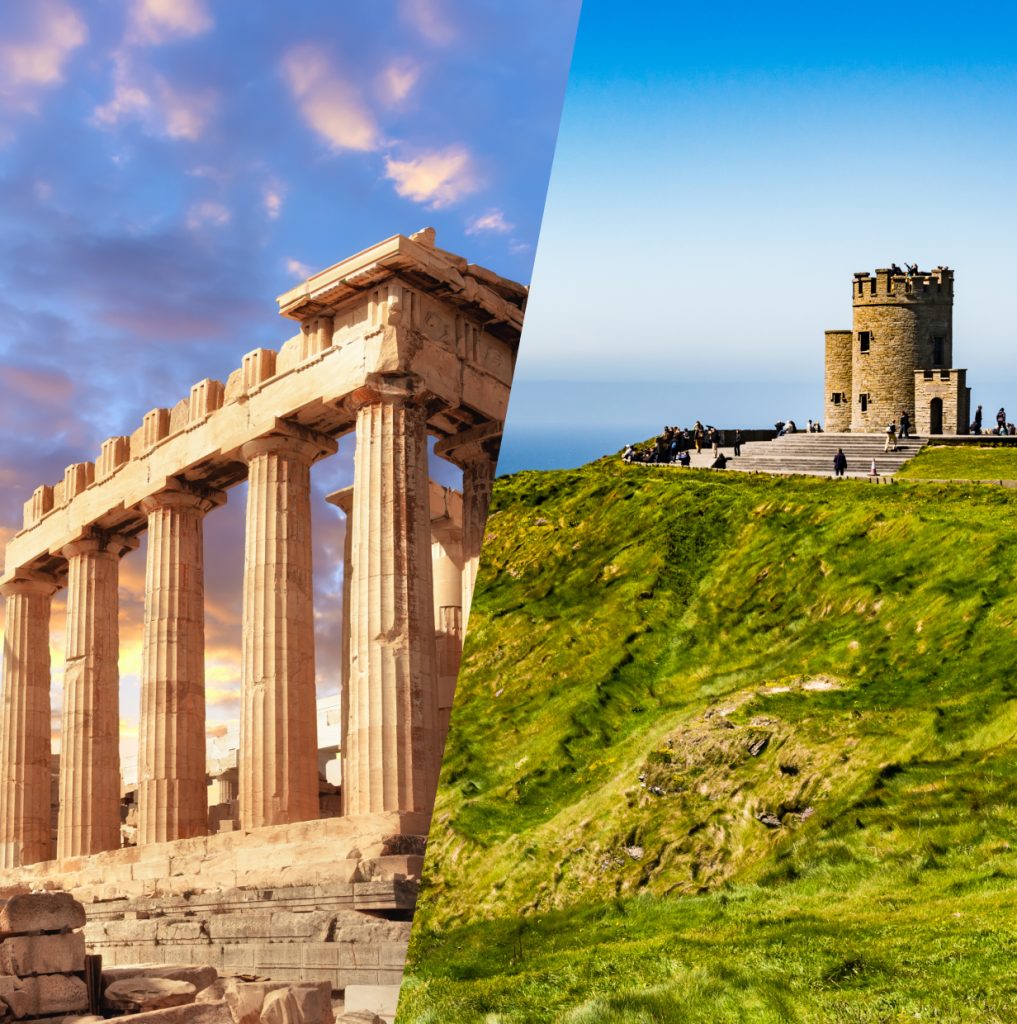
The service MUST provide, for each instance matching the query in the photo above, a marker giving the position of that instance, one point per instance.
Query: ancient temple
(398, 344)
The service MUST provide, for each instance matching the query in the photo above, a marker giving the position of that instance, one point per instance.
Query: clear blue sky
(167, 167)
(721, 172)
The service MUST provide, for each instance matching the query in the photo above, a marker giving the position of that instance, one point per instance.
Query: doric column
(344, 500)
(478, 475)
(172, 792)
(392, 729)
(25, 730)
(90, 734)
(278, 716)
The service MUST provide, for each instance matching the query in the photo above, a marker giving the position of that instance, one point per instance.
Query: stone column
(392, 728)
(478, 476)
(278, 716)
(25, 730)
(344, 500)
(90, 734)
(172, 793)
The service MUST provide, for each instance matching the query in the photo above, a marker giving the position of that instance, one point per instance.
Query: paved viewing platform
(812, 454)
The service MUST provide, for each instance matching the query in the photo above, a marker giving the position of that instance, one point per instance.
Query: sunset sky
(167, 167)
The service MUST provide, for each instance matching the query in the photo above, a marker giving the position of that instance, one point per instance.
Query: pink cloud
(493, 220)
(153, 22)
(328, 103)
(38, 58)
(438, 178)
(430, 19)
(397, 81)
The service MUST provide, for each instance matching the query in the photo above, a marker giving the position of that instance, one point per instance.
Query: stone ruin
(399, 343)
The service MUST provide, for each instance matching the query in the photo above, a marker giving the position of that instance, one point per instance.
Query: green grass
(962, 462)
(656, 661)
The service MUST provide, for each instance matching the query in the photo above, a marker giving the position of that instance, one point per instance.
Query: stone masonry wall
(950, 387)
(837, 415)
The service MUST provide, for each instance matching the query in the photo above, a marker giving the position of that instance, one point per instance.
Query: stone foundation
(327, 900)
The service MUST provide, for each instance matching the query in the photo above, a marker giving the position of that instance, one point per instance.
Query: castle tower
(897, 356)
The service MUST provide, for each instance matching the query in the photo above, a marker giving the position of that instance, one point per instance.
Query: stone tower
(897, 356)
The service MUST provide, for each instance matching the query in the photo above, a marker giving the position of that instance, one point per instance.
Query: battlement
(886, 285)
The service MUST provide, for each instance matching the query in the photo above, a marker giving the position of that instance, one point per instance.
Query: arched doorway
(936, 416)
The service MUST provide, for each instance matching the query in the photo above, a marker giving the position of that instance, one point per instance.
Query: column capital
(95, 541)
(179, 494)
(390, 389)
(476, 445)
(342, 499)
(31, 582)
(290, 439)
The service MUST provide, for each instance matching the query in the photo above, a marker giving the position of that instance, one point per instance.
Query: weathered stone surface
(147, 993)
(379, 999)
(246, 1000)
(190, 1013)
(280, 1007)
(360, 1017)
(41, 912)
(44, 996)
(43, 954)
(200, 976)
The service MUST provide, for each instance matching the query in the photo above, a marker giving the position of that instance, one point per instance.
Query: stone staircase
(812, 454)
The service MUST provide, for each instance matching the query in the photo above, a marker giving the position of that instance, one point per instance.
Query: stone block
(298, 1004)
(43, 954)
(359, 1017)
(45, 996)
(140, 993)
(41, 912)
(247, 998)
(189, 1013)
(200, 976)
(380, 999)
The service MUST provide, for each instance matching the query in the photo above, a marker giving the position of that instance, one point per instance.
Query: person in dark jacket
(839, 462)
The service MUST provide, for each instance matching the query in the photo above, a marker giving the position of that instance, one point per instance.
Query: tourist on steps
(738, 442)
(905, 424)
(839, 462)
(891, 439)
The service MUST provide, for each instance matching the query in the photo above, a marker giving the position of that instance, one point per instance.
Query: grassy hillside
(953, 462)
(729, 748)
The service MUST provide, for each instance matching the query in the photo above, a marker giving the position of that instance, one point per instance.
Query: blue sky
(167, 167)
(720, 175)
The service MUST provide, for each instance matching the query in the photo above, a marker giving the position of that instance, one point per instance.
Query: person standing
(978, 420)
(905, 424)
(839, 462)
(738, 442)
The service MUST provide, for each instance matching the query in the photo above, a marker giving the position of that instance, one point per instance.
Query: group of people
(673, 446)
(790, 427)
(1003, 428)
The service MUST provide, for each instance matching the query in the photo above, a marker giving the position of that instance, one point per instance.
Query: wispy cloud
(153, 22)
(437, 178)
(37, 59)
(328, 103)
(430, 19)
(207, 214)
(272, 196)
(493, 220)
(151, 99)
(397, 81)
(298, 269)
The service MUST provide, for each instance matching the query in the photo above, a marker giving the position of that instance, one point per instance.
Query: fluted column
(344, 500)
(278, 718)
(478, 476)
(392, 728)
(25, 740)
(90, 734)
(172, 792)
